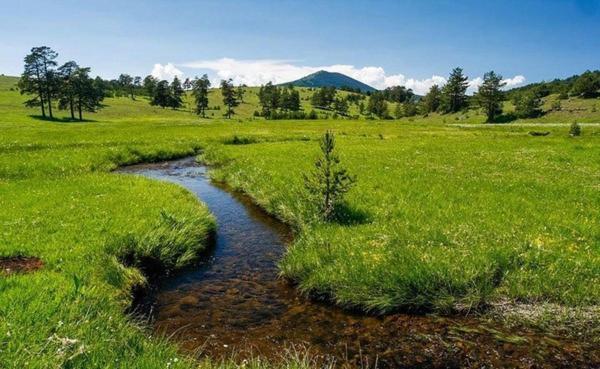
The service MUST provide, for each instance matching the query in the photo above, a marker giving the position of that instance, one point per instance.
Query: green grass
(444, 217)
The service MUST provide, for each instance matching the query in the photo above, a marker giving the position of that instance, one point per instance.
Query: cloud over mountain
(260, 71)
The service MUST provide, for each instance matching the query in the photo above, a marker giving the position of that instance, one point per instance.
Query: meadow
(443, 218)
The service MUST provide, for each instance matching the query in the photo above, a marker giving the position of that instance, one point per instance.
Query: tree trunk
(49, 103)
(42, 105)
(79, 109)
(41, 93)
(72, 108)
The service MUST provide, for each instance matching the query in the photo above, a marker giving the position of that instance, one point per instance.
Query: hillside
(331, 79)
(572, 109)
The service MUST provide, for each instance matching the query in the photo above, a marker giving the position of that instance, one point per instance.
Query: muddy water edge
(233, 303)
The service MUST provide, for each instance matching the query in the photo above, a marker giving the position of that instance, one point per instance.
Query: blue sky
(380, 42)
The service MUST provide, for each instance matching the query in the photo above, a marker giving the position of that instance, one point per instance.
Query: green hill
(571, 109)
(331, 79)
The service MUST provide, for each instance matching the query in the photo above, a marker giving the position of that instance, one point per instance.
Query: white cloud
(258, 72)
(515, 81)
(167, 71)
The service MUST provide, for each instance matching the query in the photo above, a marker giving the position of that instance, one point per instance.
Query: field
(443, 218)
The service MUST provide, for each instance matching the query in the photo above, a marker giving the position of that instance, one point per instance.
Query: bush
(575, 129)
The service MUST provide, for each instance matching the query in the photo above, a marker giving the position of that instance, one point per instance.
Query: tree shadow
(504, 118)
(60, 120)
(345, 214)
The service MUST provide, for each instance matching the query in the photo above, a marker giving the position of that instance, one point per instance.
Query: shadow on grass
(60, 120)
(346, 215)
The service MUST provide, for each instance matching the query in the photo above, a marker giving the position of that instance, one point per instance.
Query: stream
(233, 303)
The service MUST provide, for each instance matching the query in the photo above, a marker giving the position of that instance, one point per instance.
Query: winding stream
(234, 303)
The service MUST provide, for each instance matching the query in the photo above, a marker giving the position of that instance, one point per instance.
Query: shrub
(575, 129)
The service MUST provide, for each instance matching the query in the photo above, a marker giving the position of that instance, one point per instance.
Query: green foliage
(489, 96)
(454, 92)
(527, 105)
(323, 97)
(432, 100)
(409, 108)
(377, 105)
(587, 85)
(398, 94)
(161, 95)
(575, 129)
(329, 181)
(200, 88)
(39, 78)
(229, 97)
(175, 97)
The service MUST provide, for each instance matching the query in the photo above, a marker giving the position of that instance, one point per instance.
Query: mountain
(331, 79)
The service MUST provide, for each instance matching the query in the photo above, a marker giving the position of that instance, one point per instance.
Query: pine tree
(329, 181)
(88, 96)
(377, 105)
(200, 93)
(489, 96)
(229, 98)
(39, 78)
(176, 96)
(161, 94)
(149, 85)
(454, 93)
(67, 91)
(432, 101)
(269, 97)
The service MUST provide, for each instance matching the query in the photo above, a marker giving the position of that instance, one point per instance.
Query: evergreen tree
(67, 91)
(39, 78)
(229, 98)
(378, 105)
(126, 83)
(88, 96)
(489, 96)
(176, 95)
(398, 94)
(161, 94)
(340, 105)
(187, 84)
(527, 105)
(200, 93)
(432, 101)
(269, 96)
(454, 92)
(149, 85)
(324, 97)
(329, 181)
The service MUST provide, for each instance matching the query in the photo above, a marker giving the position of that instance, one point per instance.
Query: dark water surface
(235, 303)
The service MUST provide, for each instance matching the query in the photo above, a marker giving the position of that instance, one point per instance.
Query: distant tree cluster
(164, 94)
(327, 98)
(69, 86)
(585, 85)
(280, 102)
